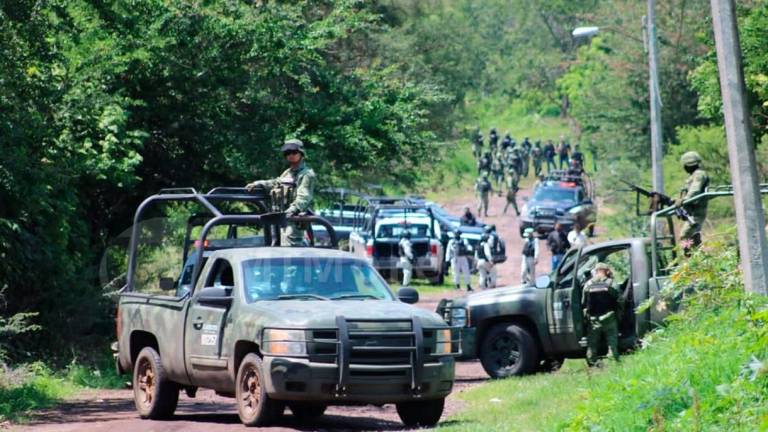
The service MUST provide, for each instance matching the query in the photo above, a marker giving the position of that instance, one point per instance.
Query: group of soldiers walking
(505, 162)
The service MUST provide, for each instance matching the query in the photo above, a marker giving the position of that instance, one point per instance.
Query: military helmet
(485, 175)
(690, 158)
(602, 266)
(527, 232)
(405, 234)
(293, 144)
(457, 234)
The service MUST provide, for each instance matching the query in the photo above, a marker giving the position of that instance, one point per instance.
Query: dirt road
(113, 410)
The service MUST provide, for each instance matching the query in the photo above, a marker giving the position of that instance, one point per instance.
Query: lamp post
(653, 86)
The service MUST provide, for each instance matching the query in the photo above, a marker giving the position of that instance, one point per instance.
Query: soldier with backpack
(485, 264)
(459, 251)
(530, 258)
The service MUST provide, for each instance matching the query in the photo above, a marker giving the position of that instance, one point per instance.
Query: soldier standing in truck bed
(697, 182)
(295, 187)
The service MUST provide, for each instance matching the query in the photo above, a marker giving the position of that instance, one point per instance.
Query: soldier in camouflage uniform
(484, 189)
(294, 187)
(600, 300)
(497, 170)
(697, 182)
(513, 180)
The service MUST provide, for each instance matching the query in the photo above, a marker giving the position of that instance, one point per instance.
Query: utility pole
(655, 95)
(750, 220)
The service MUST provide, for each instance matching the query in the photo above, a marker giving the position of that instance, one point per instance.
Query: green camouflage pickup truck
(276, 326)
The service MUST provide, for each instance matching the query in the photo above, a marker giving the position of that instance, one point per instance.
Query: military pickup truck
(377, 240)
(275, 326)
(524, 329)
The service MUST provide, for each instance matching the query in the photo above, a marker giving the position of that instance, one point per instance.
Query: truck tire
(421, 413)
(307, 411)
(154, 394)
(507, 350)
(254, 406)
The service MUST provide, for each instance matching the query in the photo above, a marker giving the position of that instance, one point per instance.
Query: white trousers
(407, 271)
(487, 274)
(527, 270)
(460, 270)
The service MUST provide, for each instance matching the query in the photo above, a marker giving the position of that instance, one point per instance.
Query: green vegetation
(706, 370)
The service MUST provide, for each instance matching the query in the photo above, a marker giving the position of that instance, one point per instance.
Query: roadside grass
(33, 386)
(706, 370)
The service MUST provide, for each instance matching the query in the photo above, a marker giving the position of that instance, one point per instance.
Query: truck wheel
(154, 394)
(254, 406)
(420, 413)
(307, 411)
(507, 350)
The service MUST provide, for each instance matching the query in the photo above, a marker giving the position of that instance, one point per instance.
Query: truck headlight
(575, 210)
(443, 341)
(459, 317)
(284, 342)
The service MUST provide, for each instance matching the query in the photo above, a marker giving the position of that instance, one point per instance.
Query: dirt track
(113, 410)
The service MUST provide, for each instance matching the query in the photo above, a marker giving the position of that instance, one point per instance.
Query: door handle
(197, 323)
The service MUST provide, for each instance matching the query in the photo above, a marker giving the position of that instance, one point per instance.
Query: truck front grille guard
(344, 352)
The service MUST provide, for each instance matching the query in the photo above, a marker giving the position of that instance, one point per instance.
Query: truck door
(205, 326)
(564, 305)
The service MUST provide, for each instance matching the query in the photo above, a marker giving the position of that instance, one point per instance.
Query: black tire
(154, 394)
(507, 350)
(307, 411)
(551, 364)
(254, 406)
(420, 413)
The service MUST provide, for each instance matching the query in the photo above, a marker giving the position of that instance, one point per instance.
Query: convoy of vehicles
(273, 326)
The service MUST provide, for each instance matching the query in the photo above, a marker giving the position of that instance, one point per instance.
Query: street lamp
(653, 85)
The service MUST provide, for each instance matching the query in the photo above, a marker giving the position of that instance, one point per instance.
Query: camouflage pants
(482, 208)
(293, 235)
(511, 200)
(608, 329)
(691, 233)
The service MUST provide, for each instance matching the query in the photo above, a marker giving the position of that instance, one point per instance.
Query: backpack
(499, 250)
(529, 249)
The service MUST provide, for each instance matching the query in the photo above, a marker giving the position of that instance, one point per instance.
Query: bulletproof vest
(599, 299)
(485, 186)
(283, 193)
(529, 249)
(481, 251)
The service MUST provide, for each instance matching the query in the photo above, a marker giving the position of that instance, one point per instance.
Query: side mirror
(408, 295)
(543, 281)
(167, 284)
(216, 296)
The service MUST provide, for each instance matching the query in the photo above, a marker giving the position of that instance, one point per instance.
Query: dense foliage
(104, 102)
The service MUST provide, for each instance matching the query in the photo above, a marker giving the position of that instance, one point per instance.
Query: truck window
(221, 274)
(396, 230)
(268, 279)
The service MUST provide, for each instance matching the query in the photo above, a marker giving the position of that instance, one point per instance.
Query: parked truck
(275, 326)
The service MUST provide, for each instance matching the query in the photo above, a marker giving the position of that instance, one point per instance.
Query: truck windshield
(554, 194)
(312, 278)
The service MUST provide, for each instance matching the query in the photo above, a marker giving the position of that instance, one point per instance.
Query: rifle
(657, 202)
